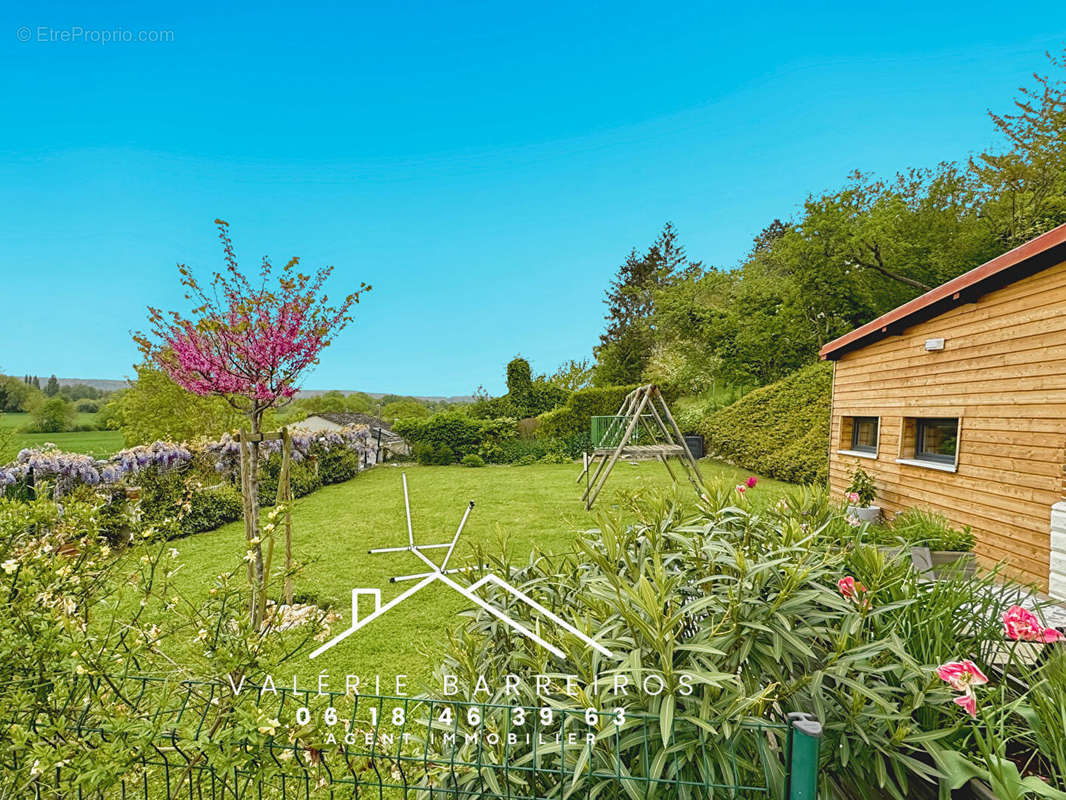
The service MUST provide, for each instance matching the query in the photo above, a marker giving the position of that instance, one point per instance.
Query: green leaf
(666, 719)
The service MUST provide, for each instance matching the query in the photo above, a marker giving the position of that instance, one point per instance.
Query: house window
(864, 434)
(936, 439)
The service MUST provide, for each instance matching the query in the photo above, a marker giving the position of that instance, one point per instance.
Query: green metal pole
(804, 741)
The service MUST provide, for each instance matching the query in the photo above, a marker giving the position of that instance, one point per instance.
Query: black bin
(694, 442)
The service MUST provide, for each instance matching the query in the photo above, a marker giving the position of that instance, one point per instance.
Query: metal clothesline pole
(417, 549)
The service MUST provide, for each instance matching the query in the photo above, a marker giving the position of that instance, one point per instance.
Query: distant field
(93, 443)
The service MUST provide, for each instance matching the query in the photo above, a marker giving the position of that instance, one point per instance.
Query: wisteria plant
(249, 342)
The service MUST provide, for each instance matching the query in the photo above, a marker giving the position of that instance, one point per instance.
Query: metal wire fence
(203, 740)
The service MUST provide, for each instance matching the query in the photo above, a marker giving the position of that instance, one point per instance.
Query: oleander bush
(780, 430)
(920, 527)
(772, 609)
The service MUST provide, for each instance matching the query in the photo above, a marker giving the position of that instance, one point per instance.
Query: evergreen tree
(626, 344)
(51, 389)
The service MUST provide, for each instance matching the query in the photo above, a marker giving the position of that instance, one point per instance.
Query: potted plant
(860, 495)
(937, 549)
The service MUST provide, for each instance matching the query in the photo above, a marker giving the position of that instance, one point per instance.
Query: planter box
(937, 564)
(865, 513)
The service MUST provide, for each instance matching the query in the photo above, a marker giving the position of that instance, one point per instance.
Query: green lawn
(95, 443)
(334, 528)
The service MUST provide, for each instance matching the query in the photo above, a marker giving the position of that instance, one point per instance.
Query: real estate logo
(439, 574)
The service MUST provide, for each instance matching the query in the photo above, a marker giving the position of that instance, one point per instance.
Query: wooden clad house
(956, 401)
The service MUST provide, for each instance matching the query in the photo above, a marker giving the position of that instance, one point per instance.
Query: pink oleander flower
(854, 591)
(1023, 625)
(741, 488)
(853, 497)
(751, 481)
(853, 521)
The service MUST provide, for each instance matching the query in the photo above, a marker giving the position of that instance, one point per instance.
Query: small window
(936, 439)
(864, 434)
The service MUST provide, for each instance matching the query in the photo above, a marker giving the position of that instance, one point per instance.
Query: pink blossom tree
(249, 342)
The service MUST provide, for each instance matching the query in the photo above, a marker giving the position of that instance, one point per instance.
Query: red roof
(1026, 259)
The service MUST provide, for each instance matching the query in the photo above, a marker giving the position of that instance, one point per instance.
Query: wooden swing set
(643, 415)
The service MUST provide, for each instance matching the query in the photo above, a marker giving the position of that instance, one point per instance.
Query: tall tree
(1024, 186)
(51, 389)
(627, 343)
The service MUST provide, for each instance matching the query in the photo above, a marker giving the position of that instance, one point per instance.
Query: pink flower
(853, 521)
(853, 497)
(1023, 625)
(968, 702)
(751, 481)
(853, 591)
(741, 488)
(963, 676)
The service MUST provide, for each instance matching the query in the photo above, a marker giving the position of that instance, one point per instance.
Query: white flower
(35, 770)
(201, 635)
(249, 556)
(173, 552)
(270, 727)
(10, 565)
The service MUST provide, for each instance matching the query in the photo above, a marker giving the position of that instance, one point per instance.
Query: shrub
(429, 455)
(303, 479)
(75, 606)
(780, 430)
(212, 507)
(768, 619)
(87, 406)
(457, 431)
(337, 465)
(862, 485)
(575, 418)
(51, 415)
(473, 460)
(554, 457)
(526, 460)
(922, 528)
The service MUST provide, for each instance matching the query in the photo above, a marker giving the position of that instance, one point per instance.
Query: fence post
(805, 735)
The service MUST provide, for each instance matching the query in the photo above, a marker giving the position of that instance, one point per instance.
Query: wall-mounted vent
(934, 344)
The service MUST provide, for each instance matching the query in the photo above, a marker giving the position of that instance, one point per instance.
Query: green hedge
(163, 496)
(575, 418)
(456, 430)
(780, 430)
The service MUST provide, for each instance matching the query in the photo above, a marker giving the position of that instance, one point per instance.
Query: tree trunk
(250, 492)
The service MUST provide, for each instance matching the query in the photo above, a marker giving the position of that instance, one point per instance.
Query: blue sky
(486, 166)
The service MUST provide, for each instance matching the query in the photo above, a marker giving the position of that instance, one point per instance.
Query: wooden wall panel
(1003, 372)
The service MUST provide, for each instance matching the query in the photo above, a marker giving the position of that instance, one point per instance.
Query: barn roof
(1037, 254)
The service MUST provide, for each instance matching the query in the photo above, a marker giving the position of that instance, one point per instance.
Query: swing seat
(643, 452)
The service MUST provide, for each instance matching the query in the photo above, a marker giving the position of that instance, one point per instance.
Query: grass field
(334, 528)
(94, 443)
